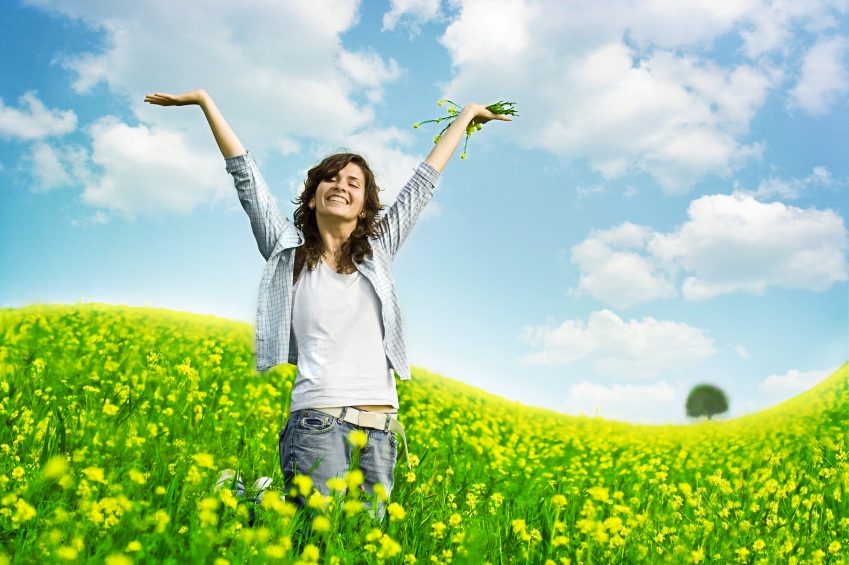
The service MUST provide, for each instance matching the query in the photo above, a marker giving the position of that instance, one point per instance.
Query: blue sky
(668, 209)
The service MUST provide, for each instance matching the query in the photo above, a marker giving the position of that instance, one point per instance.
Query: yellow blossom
(354, 478)
(310, 554)
(204, 460)
(358, 438)
(321, 524)
(67, 552)
(351, 507)
(337, 484)
(380, 492)
(23, 511)
(396, 511)
(94, 474)
(109, 409)
(303, 484)
(55, 467)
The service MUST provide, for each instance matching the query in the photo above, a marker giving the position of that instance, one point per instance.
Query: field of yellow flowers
(117, 422)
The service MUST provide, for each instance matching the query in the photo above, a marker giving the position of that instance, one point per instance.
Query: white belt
(372, 420)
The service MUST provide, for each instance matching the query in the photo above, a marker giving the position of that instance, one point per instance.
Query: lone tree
(706, 400)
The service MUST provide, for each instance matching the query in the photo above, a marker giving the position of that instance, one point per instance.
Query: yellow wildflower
(337, 484)
(94, 474)
(321, 524)
(133, 546)
(358, 438)
(351, 507)
(55, 467)
(23, 511)
(204, 460)
(67, 552)
(310, 554)
(303, 484)
(354, 478)
(396, 511)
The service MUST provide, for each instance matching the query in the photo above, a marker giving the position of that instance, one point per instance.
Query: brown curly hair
(358, 246)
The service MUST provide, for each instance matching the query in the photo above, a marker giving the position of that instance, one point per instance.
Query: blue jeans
(315, 444)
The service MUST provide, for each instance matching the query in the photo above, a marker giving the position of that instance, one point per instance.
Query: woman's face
(343, 196)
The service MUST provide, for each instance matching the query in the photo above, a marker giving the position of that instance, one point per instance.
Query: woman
(327, 300)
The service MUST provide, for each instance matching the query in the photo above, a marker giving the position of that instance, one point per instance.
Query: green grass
(118, 420)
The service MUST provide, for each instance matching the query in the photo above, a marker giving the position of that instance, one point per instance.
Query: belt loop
(342, 415)
(386, 425)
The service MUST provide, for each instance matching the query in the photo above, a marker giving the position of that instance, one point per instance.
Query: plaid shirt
(277, 238)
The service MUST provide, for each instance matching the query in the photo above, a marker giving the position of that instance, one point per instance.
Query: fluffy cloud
(631, 86)
(32, 120)
(632, 403)
(288, 81)
(613, 346)
(54, 166)
(824, 77)
(150, 171)
(792, 382)
(738, 244)
(614, 270)
(731, 243)
(789, 189)
(413, 12)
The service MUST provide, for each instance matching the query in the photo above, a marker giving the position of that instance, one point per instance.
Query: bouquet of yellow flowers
(500, 107)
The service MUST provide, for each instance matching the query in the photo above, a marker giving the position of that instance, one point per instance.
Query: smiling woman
(328, 303)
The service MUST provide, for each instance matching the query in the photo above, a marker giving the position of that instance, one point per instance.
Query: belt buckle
(368, 420)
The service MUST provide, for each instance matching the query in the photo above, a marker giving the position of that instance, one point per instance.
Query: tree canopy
(706, 400)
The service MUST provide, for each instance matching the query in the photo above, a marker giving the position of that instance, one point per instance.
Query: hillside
(118, 420)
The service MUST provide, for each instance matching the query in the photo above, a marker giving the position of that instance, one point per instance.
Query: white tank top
(338, 327)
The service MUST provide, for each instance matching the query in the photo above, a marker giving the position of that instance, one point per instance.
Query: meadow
(117, 422)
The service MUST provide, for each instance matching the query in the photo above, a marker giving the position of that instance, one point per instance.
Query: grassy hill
(118, 420)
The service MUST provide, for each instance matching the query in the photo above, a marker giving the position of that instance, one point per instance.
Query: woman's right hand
(185, 99)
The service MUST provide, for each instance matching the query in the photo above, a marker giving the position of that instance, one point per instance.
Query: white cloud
(629, 86)
(789, 189)
(614, 271)
(632, 403)
(369, 70)
(288, 84)
(731, 243)
(792, 382)
(32, 120)
(412, 12)
(150, 171)
(824, 77)
(613, 346)
(57, 166)
(738, 244)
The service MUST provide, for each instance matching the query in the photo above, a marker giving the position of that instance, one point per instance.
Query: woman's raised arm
(228, 143)
(447, 144)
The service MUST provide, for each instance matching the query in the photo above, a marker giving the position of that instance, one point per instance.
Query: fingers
(159, 99)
